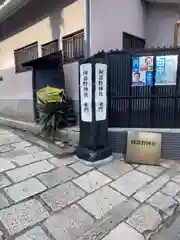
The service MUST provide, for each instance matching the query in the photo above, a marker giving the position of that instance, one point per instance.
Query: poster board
(166, 70)
(143, 148)
(142, 71)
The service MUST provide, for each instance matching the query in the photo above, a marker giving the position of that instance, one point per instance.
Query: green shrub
(56, 115)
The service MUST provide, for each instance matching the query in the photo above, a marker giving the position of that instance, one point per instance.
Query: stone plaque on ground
(143, 148)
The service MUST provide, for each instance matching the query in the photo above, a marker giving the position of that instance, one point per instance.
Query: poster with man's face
(142, 71)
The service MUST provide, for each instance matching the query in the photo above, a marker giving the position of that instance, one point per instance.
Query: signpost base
(93, 147)
(94, 158)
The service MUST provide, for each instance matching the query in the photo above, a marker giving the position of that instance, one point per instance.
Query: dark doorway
(47, 71)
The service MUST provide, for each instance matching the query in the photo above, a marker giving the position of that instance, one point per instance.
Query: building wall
(53, 21)
(160, 24)
(110, 18)
(71, 72)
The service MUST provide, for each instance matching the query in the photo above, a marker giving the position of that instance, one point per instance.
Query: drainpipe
(86, 28)
(176, 27)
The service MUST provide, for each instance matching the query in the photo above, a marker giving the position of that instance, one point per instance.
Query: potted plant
(55, 109)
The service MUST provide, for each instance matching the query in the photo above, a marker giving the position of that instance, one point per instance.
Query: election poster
(142, 71)
(166, 70)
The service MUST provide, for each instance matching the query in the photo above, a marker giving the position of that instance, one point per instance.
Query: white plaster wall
(110, 18)
(160, 24)
(71, 72)
(16, 97)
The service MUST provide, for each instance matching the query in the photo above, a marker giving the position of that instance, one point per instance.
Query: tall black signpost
(93, 143)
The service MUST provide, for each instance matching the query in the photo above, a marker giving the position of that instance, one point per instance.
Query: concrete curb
(70, 135)
(56, 150)
(117, 136)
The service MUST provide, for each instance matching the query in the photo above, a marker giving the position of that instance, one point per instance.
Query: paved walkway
(46, 198)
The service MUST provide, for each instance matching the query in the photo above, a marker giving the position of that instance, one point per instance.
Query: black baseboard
(170, 148)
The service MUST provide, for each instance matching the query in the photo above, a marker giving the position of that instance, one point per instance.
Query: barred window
(25, 54)
(73, 46)
(50, 47)
(132, 42)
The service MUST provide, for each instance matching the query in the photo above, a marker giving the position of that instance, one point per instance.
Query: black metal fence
(140, 107)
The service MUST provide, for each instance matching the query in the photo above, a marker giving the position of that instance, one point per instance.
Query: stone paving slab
(149, 189)
(14, 153)
(126, 231)
(92, 181)
(59, 162)
(9, 139)
(36, 233)
(20, 174)
(20, 145)
(131, 182)
(163, 202)
(58, 176)
(4, 182)
(103, 226)
(62, 196)
(171, 232)
(80, 168)
(5, 132)
(145, 219)
(26, 189)
(152, 171)
(31, 158)
(171, 189)
(6, 165)
(70, 224)
(23, 215)
(176, 178)
(177, 198)
(33, 149)
(6, 148)
(116, 169)
(102, 201)
(168, 164)
(3, 202)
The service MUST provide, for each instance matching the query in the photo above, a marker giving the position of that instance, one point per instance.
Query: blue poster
(166, 70)
(142, 71)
